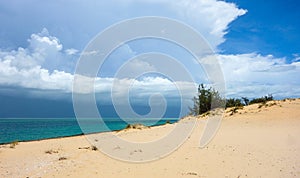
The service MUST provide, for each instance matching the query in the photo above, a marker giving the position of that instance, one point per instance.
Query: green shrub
(262, 99)
(232, 102)
(207, 99)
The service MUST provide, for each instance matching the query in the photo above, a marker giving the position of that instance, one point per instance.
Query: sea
(29, 129)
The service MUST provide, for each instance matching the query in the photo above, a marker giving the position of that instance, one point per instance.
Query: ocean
(28, 129)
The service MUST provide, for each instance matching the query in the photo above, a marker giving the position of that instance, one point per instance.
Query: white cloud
(71, 51)
(89, 53)
(254, 75)
(34, 78)
(43, 42)
(134, 68)
(210, 17)
(20, 58)
(143, 91)
(39, 78)
(248, 75)
(36, 66)
(26, 68)
(296, 57)
(43, 50)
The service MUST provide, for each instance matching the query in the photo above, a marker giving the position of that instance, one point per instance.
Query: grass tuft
(51, 151)
(13, 144)
(94, 148)
(62, 158)
(235, 109)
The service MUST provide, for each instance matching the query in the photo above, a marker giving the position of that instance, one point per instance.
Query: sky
(255, 42)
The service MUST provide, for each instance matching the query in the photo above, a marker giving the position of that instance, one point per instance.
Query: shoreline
(113, 131)
(25, 141)
(82, 134)
(177, 120)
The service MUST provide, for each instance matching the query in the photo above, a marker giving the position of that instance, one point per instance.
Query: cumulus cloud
(255, 75)
(37, 66)
(29, 68)
(34, 77)
(141, 88)
(43, 42)
(210, 17)
(43, 50)
(248, 75)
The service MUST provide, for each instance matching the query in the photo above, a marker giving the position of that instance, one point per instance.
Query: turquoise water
(36, 129)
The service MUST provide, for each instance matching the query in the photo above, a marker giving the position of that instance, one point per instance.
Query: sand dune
(256, 141)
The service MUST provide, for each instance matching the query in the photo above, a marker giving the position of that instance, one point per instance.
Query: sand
(254, 142)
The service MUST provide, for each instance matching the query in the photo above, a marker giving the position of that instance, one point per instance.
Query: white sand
(254, 142)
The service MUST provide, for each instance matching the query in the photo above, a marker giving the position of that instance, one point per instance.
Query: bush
(206, 100)
(262, 99)
(235, 110)
(168, 122)
(232, 102)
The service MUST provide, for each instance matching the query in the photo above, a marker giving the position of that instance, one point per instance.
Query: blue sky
(269, 27)
(256, 42)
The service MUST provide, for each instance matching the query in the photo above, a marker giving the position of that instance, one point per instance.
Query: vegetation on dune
(168, 122)
(208, 99)
(13, 144)
(94, 148)
(51, 151)
(62, 158)
(233, 102)
(136, 126)
(262, 99)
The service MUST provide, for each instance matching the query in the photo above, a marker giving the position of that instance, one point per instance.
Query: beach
(260, 140)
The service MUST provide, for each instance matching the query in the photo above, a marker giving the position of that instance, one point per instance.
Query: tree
(246, 101)
(206, 99)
